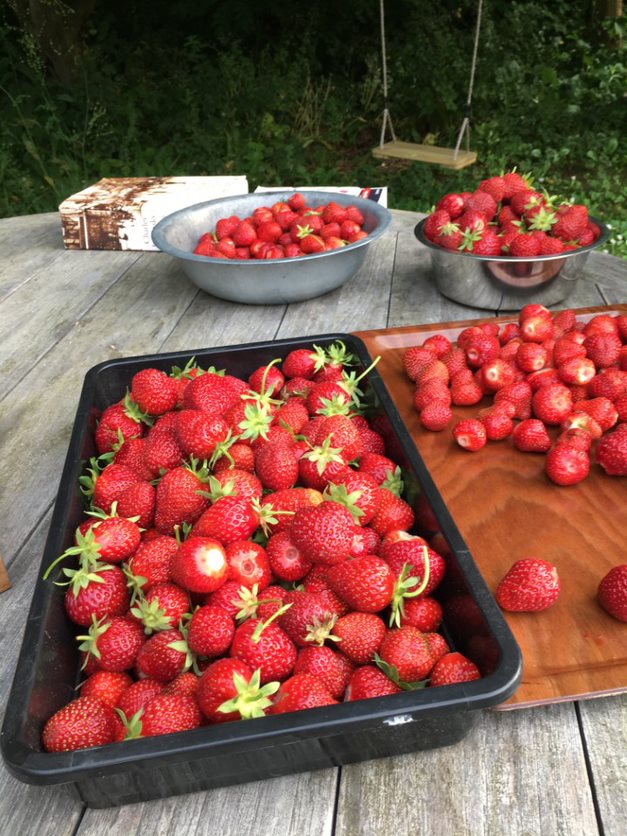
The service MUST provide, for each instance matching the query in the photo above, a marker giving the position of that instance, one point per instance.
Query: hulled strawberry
(199, 565)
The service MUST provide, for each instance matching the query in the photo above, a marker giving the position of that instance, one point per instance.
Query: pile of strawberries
(246, 552)
(505, 216)
(548, 384)
(284, 230)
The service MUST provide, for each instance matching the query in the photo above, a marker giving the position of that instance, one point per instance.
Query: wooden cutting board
(507, 509)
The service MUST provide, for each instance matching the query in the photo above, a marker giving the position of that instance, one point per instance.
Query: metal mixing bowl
(258, 281)
(507, 283)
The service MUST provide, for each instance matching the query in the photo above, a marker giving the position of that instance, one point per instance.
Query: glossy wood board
(506, 509)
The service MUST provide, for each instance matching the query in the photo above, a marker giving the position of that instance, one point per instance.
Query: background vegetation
(290, 94)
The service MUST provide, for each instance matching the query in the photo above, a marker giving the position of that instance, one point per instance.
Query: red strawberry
(139, 501)
(496, 374)
(530, 585)
(436, 416)
(302, 362)
(435, 222)
(612, 592)
(360, 635)
(410, 552)
(213, 393)
(107, 686)
(566, 465)
(524, 245)
(323, 534)
(115, 642)
(82, 723)
(424, 613)
(571, 224)
(405, 654)
(200, 565)
(577, 370)
(179, 497)
(248, 564)
(168, 713)
(524, 200)
(308, 620)
(284, 504)
(498, 425)
(450, 237)
(368, 682)
(229, 519)
(452, 203)
(300, 692)
(111, 484)
(392, 514)
(138, 695)
(121, 420)
(494, 186)
(603, 349)
(230, 690)
(151, 561)
(198, 434)
(211, 631)
(465, 391)
(366, 584)
(163, 607)
(552, 403)
(531, 436)
(154, 391)
(452, 668)
(266, 646)
(286, 561)
(95, 592)
(163, 656)
(514, 182)
(531, 357)
(481, 201)
(470, 434)
(611, 452)
(330, 667)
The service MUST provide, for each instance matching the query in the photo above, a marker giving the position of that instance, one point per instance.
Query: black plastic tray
(232, 753)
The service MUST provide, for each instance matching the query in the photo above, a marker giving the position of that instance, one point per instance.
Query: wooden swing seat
(432, 154)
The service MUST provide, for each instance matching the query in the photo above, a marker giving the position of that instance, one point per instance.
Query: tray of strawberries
(249, 572)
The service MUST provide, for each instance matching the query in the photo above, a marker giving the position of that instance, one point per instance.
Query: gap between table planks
(575, 649)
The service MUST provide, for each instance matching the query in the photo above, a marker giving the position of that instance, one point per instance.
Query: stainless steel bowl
(261, 282)
(507, 283)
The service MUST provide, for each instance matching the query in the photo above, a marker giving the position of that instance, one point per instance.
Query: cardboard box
(118, 213)
(378, 195)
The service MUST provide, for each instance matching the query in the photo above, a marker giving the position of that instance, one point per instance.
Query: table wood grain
(558, 769)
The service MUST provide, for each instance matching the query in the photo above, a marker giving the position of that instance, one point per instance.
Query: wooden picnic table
(555, 769)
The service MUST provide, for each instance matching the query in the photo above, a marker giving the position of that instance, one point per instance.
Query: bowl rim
(158, 233)
(603, 237)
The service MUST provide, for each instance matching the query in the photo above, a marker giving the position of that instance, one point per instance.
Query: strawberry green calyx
(82, 577)
(217, 490)
(323, 454)
(152, 616)
(339, 355)
(252, 698)
(339, 493)
(88, 643)
(133, 727)
(263, 624)
(86, 549)
(250, 602)
(394, 482)
(190, 370)
(182, 532)
(134, 583)
(267, 515)
(544, 219)
(351, 380)
(391, 671)
(134, 412)
(469, 238)
(337, 405)
(199, 469)
(222, 449)
(256, 422)
(403, 589)
(319, 356)
(182, 646)
(320, 630)
(87, 482)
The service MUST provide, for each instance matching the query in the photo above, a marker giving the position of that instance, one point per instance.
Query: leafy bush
(211, 88)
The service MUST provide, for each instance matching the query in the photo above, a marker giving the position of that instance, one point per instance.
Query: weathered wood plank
(44, 309)
(26, 809)
(299, 804)
(604, 723)
(27, 244)
(515, 773)
(134, 317)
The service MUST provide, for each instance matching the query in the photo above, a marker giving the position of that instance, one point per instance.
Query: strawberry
(582, 421)
(524, 245)
(409, 554)
(577, 370)
(609, 383)
(434, 223)
(139, 501)
(452, 203)
(198, 434)
(199, 565)
(163, 656)
(211, 631)
(450, 237)
(162, 607)
(566, 465)
(302, 362)
(357, 491)
(552, 403)
(307, 620)
(266, 646)
(496, 374)
(576, 438)
(601, 409)
(531, 436)
(229, 519)
(360, 635)
(286, 561)
(80, 724)
(436, 416)
(115, 642)
(368, 682)
(612, 592)
(521, 201)
(465, 391)
(111, 483)
(118, 422)
(323, 534)
(138, 695)
(531, 357)
(470, 434)
(170, 713)
(494, 186)
(248, 563)
(392, 513)
(611, 452)
(230, 690)
(452, 668)
(284, 504)
(498, 424)
(537, 327)
(96, 591)
(213, 393)
(154, 391)
(107, 686)
(366, 584)
(179, 496)
(603, 349)
(571, 224)
(481, 201)
(404, 655)
(151, 561)
(424, 613)
(480, 348)
(330, 667)
(300, 692)
(530, 585)
(513, 182)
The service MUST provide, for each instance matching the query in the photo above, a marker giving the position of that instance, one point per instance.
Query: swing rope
(387, 118)
(465, 128)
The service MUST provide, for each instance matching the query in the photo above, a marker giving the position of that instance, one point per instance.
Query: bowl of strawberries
(267, 249)
(506, 244)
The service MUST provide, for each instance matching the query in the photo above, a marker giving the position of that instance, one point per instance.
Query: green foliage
(295, 99)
